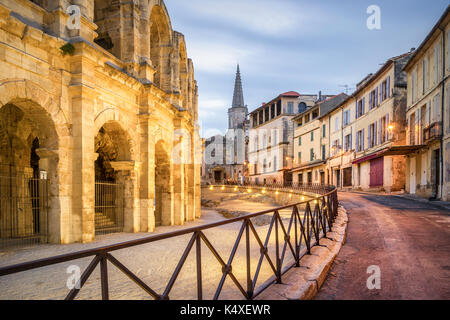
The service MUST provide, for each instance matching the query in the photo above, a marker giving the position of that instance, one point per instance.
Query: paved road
(408, 240)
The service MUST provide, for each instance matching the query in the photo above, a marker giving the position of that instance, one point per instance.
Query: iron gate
(23, 209)
(109, 207)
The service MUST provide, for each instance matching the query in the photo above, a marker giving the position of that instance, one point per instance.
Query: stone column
(178, 157)
(83, 169)
(147, 175)
(127, 171)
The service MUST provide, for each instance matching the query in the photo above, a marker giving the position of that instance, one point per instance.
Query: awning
(308, 165)
(402, 150)
(391, 151)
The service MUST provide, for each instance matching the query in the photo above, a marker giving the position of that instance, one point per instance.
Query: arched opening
(107, 18)
(160, 39)
(163, 195)
(28, 166)
(114, 180)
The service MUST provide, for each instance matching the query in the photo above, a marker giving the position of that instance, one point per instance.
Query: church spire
(238, 95)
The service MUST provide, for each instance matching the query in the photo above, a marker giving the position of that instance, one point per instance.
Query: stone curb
(303, 283)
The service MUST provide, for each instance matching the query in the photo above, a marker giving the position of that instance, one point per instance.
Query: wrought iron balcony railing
(432, 132)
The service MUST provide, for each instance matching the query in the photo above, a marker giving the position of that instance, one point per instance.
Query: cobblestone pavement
(408, 240)
(154, 263)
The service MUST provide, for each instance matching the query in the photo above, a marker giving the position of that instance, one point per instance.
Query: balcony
(432, 132)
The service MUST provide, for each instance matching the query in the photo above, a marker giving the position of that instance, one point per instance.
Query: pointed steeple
(238, 95)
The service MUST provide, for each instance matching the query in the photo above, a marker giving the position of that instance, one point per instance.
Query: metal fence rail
(296, 239)
(23, 210)
(109, 207)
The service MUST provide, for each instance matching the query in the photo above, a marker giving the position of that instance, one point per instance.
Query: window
(336, 124)
(266, 114)
(323, 152)
(384, 132)
(348, 142)
(300, 122)
(299, 141)
(301, 107)
(299, 158)
(424, 75)
(373, 99)
(413, 86)
(360, 140)
(272, 109)
(311, 154)
(437, 62)
(278, 107)
(385, 89)
(290, 107)
(315, 114)
(335, 148)
(346, 117)
(312, 135)
(275, 137)
(360, 105)
(324, 131)
(436, 115)
(275, 165)
(265, 165)
(372, 135)
(307, 118)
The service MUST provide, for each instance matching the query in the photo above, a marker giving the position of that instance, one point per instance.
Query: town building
(311, 142)
(428, 115)
(98, 121)
(270, 151)
(225, 156)
(367, 132)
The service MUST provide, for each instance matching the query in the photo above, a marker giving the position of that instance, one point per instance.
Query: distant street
(408, 240)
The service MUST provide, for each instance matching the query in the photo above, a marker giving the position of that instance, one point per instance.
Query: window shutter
(370, 100)
(387, 127)
(388, 87)
(362, 139)
(356, 110)
(381, 92)
(369, 137)
(380, 130)
(363, 105)
(376, 96)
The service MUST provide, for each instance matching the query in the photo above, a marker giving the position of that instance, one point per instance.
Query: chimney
(320, 95)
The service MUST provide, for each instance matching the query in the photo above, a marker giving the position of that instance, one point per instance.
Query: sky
(284, 45)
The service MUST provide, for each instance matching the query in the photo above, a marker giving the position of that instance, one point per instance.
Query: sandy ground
(154, 263)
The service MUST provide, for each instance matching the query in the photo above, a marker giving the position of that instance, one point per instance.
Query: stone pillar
(178, 157)
(147, 175)
(83, 158)
(127, 171)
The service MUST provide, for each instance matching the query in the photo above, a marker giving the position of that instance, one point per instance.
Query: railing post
(277, 248)
(247, 246)
(104, 277)
(198, 246)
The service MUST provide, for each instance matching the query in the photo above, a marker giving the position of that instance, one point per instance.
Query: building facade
(270, 151)
(311, 150)
(225, 157)
(98, 122)
(428, 115)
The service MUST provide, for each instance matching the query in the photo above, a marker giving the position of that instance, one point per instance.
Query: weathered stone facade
(114, 100)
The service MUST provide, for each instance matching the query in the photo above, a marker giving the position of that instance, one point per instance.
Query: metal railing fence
(296, 238)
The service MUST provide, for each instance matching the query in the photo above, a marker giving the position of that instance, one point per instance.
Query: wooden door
(376, 172)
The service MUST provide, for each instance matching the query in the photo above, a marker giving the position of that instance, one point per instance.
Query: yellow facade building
(428, 115)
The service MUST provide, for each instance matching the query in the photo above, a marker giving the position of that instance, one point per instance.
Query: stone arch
(160, 46)
(115, 179)
(28, 157)
(107, 18)
(163, 184)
